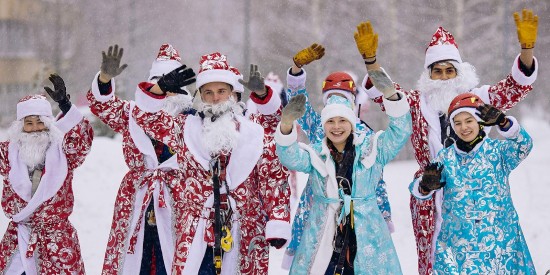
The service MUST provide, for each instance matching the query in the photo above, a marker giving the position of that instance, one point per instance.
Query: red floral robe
(40, 239)
(258, 215)
(503, 95)
(146, 180)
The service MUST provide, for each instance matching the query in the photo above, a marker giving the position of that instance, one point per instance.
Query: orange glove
(309, 55)
(366, 40)
(527, 28)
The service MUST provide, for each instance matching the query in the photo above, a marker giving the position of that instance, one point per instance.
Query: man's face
(33, 124)
(443, 71)
(216, 92)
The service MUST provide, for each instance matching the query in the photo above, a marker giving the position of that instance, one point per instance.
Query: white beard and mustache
(440, 93)
(33, 146)
(177, 104)
(219, 128)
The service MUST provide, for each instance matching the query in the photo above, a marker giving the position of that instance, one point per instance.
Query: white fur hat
(34, 105)
(338, 106)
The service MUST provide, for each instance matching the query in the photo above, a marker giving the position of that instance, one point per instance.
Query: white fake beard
(176, 104)
(440, 93)
(33, 146)
(220, 135)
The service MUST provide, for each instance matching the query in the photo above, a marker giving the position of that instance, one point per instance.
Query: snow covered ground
(96, 184)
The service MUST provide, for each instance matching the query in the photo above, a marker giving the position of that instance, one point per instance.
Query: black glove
(431, 180)
(277, 243)
(176, 79)
(491, 115)
(59, 94)
(255, 81)
(110, 65)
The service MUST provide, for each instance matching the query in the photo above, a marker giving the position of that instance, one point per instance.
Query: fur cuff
(513, 132)
(269, 105)
(521, 78)
(146, 101)
(390, 225)
(286, 140)
(396, 108)
(287, 260)
(277, 229)
(295, 83)
(413, 187)
(372, 92)
(69, 120)
(95, 90)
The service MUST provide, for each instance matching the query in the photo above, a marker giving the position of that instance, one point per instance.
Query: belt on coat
(37, 231)
(345, 199)
(149, 178)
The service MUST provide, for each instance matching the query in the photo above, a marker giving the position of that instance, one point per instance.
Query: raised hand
(431, 180)
(110, 64)
(255, 81)
(490, 115)
(59, 92)
(175, 80)
(294, 110)
(366, 40)
(527, 28)
(382, 82)
(308, 55)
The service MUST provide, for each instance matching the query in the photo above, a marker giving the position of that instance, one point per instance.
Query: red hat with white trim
(466, 102)
(168, 59)
(214, 68)
(442, 47)
(33, 105)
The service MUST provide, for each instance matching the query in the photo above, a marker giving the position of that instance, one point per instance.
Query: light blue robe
(480, 231)
(314, 235)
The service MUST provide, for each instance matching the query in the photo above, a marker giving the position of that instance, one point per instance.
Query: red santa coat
(250, 168)
(145, 181)
(39, 238)
(426, 141)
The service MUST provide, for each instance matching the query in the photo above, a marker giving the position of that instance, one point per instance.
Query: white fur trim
(216, 75)
(278, 229)
(441, 52)
(142, 141)
(286, 140)
(391, 227)
(336, 110)
(287, 260)
(316, 162)
(373, 92)
(396, 108)
(415, 192)
(520, 77)
(251, 107)
(164, 224)
(95, 89)
(69, 120)
(238, 87)
(148, 103)
(295, 83)
(161, 67)
(368, 161)
(132, 262)
(271, 106)
(513, 132)
(34, 107)
(438, 202)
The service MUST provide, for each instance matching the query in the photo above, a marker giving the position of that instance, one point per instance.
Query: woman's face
(337, 130)
(466, 126)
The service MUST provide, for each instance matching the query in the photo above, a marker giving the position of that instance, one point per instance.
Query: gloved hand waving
(366, 40)
(255, 81)
(527, 28)
(431, 180)
(110, 64)
(491, 116)
(308, 55)
(175, 80)
(59, 93)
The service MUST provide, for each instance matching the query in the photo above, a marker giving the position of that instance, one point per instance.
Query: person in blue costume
(480, 231)
(336, 84)
(345, 232)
